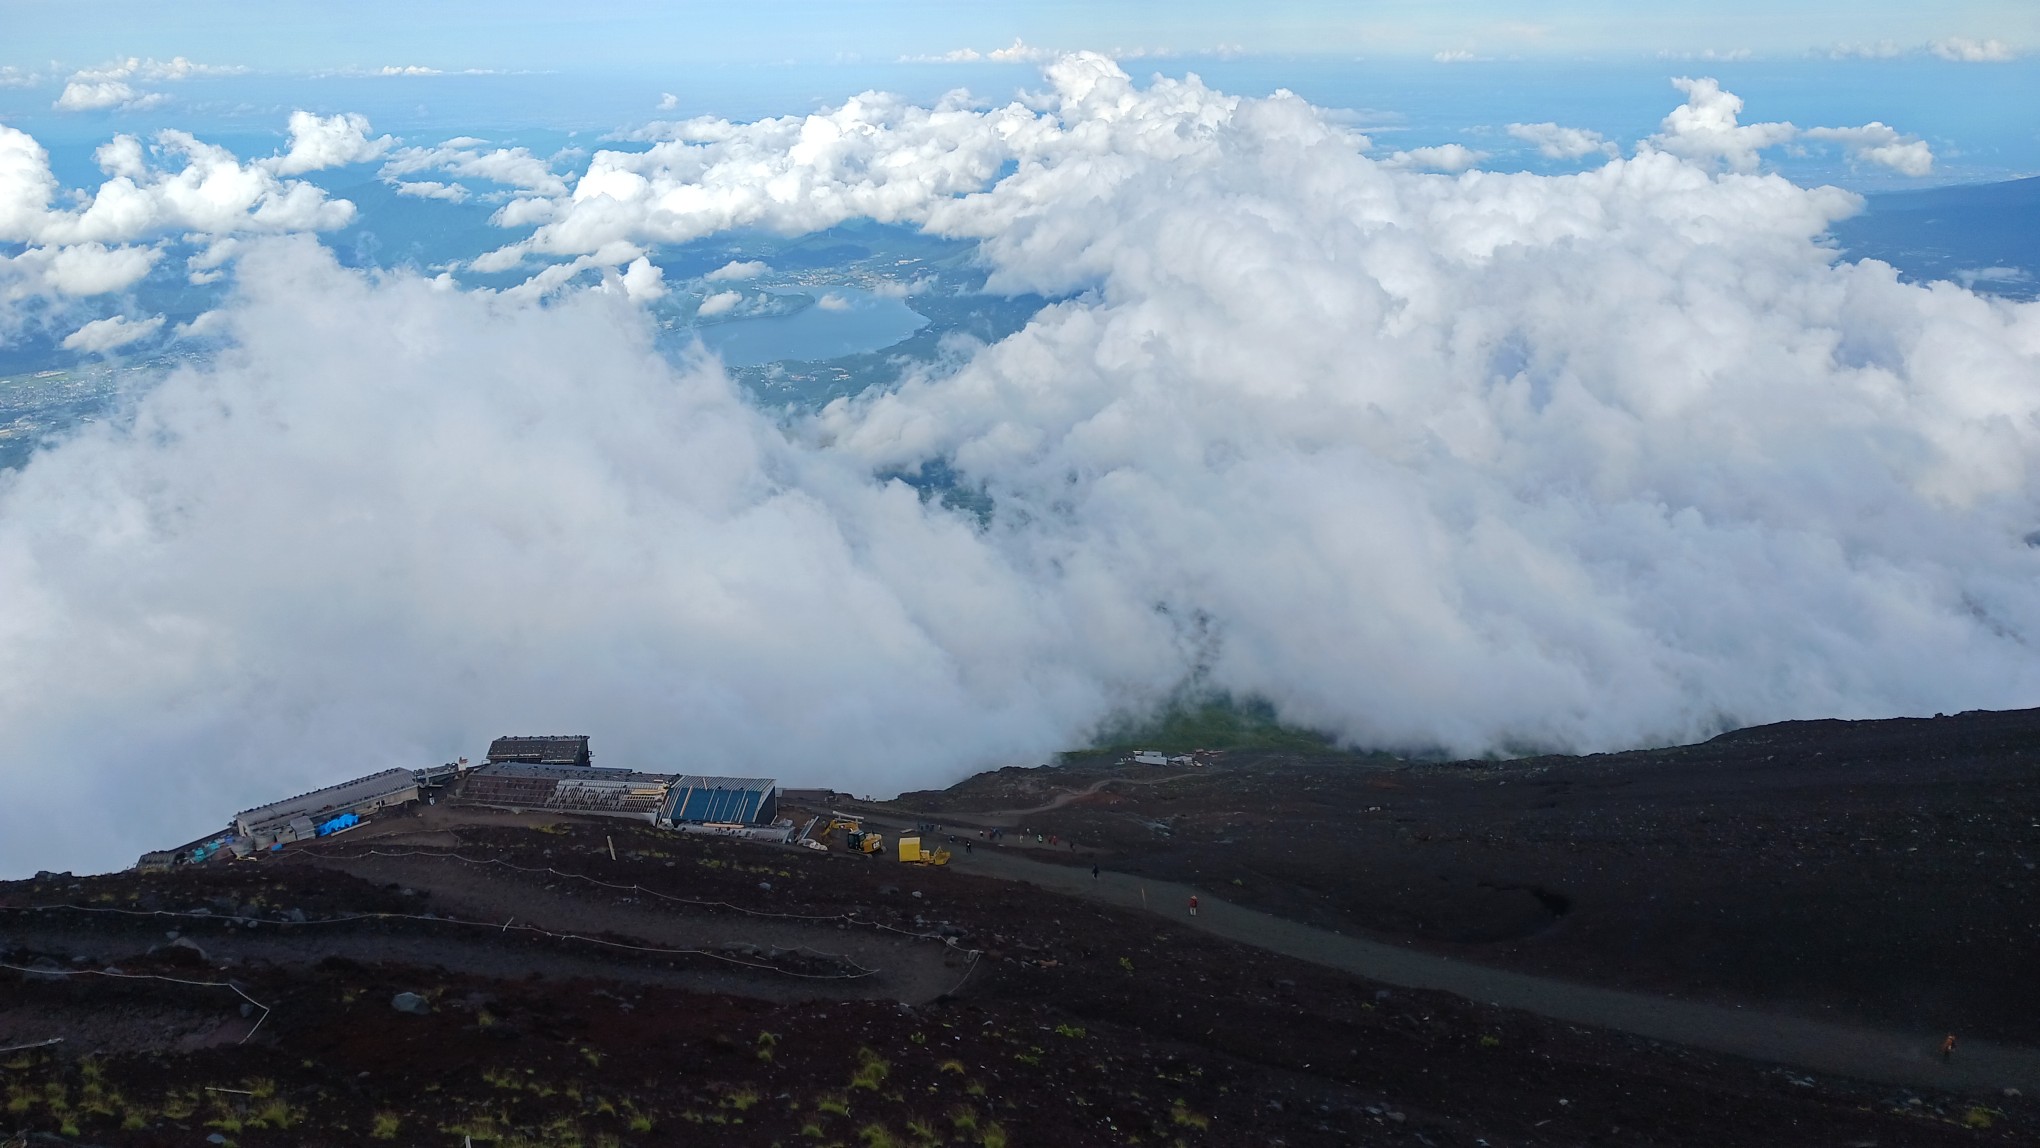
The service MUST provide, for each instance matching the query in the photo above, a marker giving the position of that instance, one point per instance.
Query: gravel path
(1867, 1054)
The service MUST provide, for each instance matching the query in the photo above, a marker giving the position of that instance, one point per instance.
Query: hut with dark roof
(552, 749)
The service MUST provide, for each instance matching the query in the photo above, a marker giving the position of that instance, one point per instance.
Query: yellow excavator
(913, 853)
(855, 838)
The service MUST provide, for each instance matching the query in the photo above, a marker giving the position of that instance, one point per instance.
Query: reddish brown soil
(1076, 1024)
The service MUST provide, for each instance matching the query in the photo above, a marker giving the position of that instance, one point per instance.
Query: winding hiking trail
(1006, 818)
(1910, 1058)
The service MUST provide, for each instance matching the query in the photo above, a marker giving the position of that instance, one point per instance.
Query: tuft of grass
(877, 1136)
(1489, 1040)
(386, 1125)
(1979, 1117)
(1069, 1030)
(993, 1136)
(872, 1070)
(741, 1100)
(275, 1113)
(834, 1102)
(955, 1066)
(1182, 1115)
(964, 1117)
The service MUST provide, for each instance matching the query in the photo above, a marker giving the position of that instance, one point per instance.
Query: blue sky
(611, 35)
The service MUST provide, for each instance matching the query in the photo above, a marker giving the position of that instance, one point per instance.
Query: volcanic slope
(698, 990)
(1875, 872)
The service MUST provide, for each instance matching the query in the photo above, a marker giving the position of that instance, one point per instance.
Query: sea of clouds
(1463, 463)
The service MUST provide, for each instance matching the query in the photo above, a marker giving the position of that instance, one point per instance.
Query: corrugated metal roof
(701, 797)
(347, 793)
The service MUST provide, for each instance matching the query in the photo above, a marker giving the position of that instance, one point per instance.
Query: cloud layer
(1463, 463)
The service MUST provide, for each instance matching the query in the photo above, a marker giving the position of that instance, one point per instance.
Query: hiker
(969, 845)
(1947, 1047)
(1193, 904)
(1094, 872)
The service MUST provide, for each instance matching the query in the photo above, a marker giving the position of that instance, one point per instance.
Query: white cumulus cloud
(113, 85)
(471, 158)
(103, 335)
(1556, 142)
(738, 269)
(319, 142)
(174, 186)
(1449, 157)
(1970, 51)
(1707, 129)
(1576, 462)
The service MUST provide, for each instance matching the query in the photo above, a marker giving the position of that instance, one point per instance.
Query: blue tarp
(344, 821)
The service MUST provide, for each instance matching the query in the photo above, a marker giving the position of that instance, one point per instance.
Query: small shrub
(1126, 963)
(1071, 1031)
(386, 1125)
(1489, 1040)
(1188, 1119)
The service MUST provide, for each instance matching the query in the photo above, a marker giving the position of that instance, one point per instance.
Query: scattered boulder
(188, 943)
(410, 1003)
(296, 916)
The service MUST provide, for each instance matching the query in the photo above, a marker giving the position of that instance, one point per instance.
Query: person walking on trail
(967, 846)
(1094, 872)
(1947, 1047)
(1193, 904)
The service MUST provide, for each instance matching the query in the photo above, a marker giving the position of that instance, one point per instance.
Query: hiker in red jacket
(1947, 1047)
(1193, 904)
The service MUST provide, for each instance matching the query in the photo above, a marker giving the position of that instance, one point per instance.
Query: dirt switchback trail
(1011, 817)
(1866, 1054)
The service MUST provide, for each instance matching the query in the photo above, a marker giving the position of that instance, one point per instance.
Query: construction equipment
(855, 838)
(912, 853)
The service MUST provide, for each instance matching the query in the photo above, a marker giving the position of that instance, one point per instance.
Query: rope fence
(145, 977)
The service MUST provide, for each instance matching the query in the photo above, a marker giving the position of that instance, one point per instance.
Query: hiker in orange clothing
(1193, 904)
(1947, 1047)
